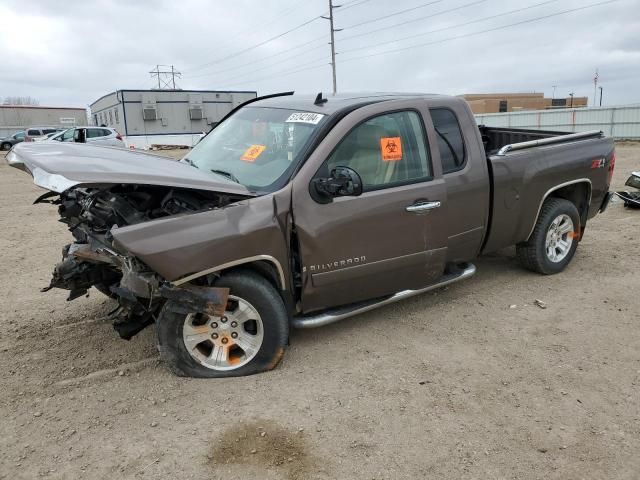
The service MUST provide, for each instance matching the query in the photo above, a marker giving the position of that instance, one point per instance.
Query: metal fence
(622, 122)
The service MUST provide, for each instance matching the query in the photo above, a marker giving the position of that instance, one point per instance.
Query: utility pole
(166, 78)
(600, 95)
(333, 43)
(553, 95)
(571, 95)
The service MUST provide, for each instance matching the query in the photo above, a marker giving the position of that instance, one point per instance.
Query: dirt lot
(473, 381)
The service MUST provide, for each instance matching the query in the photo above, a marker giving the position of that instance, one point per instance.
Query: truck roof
(335, 103)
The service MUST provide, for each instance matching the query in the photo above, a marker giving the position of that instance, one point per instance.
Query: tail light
(612, 165)
(118, 136)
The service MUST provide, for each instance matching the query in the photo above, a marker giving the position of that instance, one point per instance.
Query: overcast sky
(71, 53)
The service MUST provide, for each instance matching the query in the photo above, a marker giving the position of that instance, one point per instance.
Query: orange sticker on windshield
(391, 149)
(252, 153)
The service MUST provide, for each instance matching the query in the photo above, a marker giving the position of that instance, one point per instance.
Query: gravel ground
(471, 381)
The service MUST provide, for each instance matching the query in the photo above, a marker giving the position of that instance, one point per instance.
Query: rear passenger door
(464, 170)
(98, 136)
(393, 236)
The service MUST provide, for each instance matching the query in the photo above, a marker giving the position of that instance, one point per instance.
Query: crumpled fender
(187, 244)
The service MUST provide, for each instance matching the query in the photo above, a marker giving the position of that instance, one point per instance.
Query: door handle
(422, 207)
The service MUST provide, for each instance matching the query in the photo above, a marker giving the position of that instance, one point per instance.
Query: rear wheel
(554, 239)
(249, 338)
(5, 146)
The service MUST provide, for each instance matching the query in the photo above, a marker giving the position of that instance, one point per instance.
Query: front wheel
(554, 239)
(249, 338)
(5, 146)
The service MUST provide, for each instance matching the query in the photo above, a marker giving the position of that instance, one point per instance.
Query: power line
(237, 67)
(253, 47)
(369, 32)
(314, 65)
(284, 60)
(480, 32)
(454, 26)
(353, 3)
(393, 14)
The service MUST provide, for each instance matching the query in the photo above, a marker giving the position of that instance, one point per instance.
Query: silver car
(98, 136)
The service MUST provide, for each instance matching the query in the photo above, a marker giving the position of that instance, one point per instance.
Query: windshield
(257, 147)
(63, 136)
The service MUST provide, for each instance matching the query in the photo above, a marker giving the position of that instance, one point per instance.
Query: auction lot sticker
(305, 117)
(391, 149)
(252, 153)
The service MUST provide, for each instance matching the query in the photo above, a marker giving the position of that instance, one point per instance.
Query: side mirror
(342, 182)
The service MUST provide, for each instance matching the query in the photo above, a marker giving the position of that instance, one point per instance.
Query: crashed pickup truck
(299, 211)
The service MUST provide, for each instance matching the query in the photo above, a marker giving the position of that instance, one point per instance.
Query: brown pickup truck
(301, 211)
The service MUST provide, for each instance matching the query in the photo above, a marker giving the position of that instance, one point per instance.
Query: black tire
(5, 146)
(532, 254)
(255, 290)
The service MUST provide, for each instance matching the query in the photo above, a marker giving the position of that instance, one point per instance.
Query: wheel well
(262, 268)
(577, 193)
(269, 272)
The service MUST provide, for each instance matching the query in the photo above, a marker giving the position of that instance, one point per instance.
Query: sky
(72, 53)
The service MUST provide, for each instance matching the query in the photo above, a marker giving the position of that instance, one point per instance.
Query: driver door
(390, 238)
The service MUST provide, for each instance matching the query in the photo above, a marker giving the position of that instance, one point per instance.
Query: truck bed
(526, 166)
(496, 138)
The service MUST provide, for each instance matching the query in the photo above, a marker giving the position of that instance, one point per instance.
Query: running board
(340, 313)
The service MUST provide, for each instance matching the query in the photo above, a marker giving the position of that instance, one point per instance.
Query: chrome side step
(340, 313)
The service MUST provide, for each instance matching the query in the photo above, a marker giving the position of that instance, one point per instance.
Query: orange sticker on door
(391, 149)
(252, 153)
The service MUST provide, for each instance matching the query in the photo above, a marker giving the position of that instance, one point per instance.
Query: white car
(99, 136)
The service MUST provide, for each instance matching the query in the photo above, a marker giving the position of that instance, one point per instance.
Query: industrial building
(164, 117)
(514, 102)
(14, 118)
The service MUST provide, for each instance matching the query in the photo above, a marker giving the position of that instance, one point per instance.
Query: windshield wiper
(229, 175)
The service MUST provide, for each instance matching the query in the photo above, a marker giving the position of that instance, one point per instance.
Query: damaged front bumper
(140, 293)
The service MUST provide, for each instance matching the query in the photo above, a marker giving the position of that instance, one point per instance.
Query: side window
(450, 140)
(19, 136)
(33, 133)
(386, 150)
(95, 132)
(67, 136)
(105, 133)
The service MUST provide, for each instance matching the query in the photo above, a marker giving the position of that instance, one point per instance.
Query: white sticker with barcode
(305, 117)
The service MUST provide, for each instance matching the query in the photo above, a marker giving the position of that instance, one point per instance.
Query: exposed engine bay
(92, 260)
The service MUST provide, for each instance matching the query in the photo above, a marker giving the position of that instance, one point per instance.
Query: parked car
(38, 133)
(8, 142)
(101, 136)
(302, 212)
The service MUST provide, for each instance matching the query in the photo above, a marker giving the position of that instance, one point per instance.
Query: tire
(545, 252)
(5, 147)
(196, 358)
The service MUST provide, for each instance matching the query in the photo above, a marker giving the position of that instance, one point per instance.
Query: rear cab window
(450, 139)
(387, 150)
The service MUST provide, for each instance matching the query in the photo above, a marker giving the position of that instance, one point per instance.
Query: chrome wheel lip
(223, 338)
(559, 238)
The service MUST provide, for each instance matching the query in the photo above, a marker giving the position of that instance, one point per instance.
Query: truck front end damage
(94, 260)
